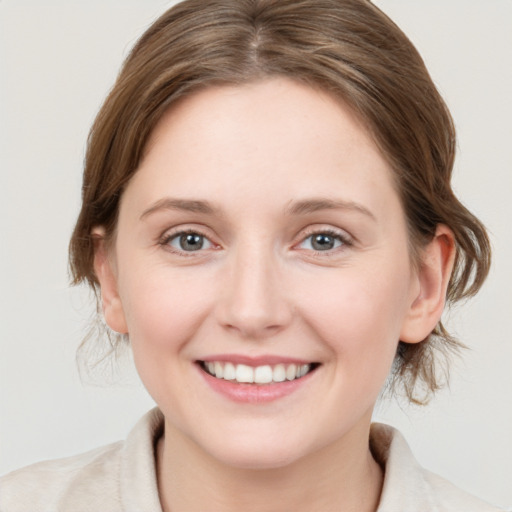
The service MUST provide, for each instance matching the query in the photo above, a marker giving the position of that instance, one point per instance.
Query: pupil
(323, 242)
(191, 242)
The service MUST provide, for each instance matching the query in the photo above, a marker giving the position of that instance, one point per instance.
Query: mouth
(258, 375)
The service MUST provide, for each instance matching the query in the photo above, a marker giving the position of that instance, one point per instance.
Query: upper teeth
(259, 374)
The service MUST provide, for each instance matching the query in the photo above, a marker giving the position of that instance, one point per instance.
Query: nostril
(253, 329)
(252, 319)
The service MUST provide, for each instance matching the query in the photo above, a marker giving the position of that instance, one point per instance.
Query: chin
(250, 454)
(256, 460)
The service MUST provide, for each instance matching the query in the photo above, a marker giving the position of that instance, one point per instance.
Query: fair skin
(263, 228)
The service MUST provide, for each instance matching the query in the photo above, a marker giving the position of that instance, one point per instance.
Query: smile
(265, 374)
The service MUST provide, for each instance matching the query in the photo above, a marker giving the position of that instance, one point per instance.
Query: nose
(253, 302)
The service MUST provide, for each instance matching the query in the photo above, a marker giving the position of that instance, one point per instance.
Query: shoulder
(47, 486)
(119, 477)
(408, 486)
(451, 498)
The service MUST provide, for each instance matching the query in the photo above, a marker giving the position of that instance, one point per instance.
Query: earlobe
(103, 268)
(433, 275)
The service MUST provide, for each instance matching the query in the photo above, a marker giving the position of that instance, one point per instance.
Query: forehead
(276, 137)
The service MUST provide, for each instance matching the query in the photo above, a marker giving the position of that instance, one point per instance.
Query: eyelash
(342, 237)
(169, 237)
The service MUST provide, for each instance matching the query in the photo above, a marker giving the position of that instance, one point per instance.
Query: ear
(106, 273)
(433, 275)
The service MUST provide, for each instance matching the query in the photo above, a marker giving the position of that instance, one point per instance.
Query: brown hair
(348, 48)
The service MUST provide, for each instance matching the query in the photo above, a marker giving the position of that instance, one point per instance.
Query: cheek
(164, 308)
(164, 311)
(359, 317)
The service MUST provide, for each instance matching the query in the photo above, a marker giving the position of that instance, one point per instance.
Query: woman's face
(262, 237)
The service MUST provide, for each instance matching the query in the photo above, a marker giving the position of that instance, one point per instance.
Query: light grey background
(57, 61)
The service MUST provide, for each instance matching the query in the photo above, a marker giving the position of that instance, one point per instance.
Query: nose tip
(254, 302)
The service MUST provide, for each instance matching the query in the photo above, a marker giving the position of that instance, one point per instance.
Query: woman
(267, 216)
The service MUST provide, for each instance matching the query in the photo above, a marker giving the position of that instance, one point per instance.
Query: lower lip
(254, 393)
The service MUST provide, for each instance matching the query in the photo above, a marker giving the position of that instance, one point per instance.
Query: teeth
(263, 374)
(290, 372)
(259, 374)
(229, 372)
(279, 373)
(243, 373)
(219, 370)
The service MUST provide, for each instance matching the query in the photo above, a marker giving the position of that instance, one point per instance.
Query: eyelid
(342, 235)
(346, 239)
(172, 233)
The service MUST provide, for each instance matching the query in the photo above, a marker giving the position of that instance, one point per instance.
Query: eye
(189, 241)
(323, 241)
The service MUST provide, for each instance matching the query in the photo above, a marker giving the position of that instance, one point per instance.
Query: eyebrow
(317, 204)
(187, 205)
(302, 207)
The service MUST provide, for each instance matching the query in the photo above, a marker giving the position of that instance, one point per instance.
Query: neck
(342, 476)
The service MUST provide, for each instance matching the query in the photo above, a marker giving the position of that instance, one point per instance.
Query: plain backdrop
(57, 61)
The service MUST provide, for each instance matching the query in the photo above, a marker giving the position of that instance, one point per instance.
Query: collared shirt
(121, 477)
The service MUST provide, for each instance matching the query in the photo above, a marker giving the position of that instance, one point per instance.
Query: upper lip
(254, 360)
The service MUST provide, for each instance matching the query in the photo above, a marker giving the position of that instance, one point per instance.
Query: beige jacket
(121, 478)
